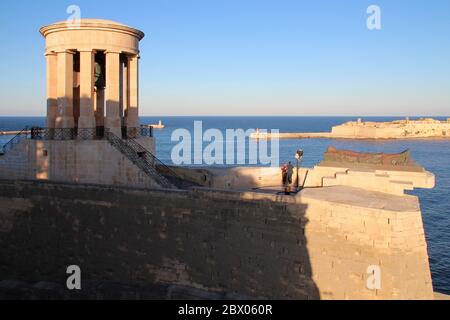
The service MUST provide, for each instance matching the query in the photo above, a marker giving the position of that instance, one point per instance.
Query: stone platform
(78, 161)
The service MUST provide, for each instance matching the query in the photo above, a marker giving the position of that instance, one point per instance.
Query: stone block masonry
(77, 161)
(317, 245)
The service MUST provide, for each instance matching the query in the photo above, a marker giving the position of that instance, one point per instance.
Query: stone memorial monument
(93, 76)
(93, 132)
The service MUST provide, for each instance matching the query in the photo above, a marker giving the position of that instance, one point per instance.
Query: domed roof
(91, 24)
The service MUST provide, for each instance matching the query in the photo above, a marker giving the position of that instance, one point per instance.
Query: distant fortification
(401, 129)
(423, 128)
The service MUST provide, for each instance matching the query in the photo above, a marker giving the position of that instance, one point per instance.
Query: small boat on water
(159, 125)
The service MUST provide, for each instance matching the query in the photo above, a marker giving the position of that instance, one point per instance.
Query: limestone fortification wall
(389, 180)
(79, 161)
(316, 245)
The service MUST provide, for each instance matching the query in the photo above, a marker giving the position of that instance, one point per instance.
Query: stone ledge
(441, 296)
(362, 198)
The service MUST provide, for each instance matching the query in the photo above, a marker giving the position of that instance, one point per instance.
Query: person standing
(284, 175)
(287, 170)
(290, 172)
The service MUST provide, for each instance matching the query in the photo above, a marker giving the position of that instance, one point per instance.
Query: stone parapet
(387, 179)
(321, 244)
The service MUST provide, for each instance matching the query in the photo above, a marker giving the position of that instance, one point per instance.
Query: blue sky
(254, 57)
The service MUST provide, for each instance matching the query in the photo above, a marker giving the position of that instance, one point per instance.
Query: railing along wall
(140, 156)
(129, 147)
(23, 134)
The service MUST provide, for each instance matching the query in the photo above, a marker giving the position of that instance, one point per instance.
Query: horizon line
(263, 115)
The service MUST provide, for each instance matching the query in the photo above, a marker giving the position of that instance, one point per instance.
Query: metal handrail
(134, 151)
(146, 131)
(15, 140)
(139, 156)
(38, 133)
(156, 162)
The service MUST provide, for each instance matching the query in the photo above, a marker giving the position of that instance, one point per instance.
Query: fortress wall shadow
(176, 244)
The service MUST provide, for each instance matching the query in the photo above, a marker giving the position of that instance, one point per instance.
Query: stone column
(132, 120)
(112, 119)
(125, 94)
(100, 107)
(121, 96)
(87, 119)
(64, 118)
(52, 92)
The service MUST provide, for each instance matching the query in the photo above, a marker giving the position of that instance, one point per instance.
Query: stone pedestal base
(133, 133)
(64, 122)
(52, 110)
(72, 161)
(113, 125)
(131, 120)
(86, 128)
(86, 122)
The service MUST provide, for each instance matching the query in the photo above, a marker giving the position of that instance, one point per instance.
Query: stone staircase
(147, 162)
(369, 180)
(392, 182)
